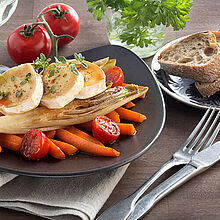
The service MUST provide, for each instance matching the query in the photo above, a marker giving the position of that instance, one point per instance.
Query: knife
(198, 164)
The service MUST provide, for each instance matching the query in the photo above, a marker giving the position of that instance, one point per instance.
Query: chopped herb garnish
(3, 95)
(13, 78)
(52, 89)
(51, 72)
(26, 79)
(23, 82)
(18, 93)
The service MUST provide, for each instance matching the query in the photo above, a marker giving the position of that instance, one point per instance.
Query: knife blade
(198, 164)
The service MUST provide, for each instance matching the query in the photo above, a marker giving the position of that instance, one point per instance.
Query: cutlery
(183, 155)
(198, 164)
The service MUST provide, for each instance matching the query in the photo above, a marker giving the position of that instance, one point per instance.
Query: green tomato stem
(54, 38)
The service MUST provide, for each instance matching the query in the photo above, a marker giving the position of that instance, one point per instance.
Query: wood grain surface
(198, 199)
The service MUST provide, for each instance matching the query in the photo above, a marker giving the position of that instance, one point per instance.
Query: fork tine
(196, 129)
(213, 136)
(215, 133)
(192, 145)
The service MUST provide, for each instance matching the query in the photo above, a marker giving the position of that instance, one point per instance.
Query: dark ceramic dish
(179, 88)
(135, 71)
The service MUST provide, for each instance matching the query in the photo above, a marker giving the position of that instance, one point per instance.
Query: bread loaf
(208, 89)
(196, 57)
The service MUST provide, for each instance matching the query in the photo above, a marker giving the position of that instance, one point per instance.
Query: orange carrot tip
(55, 151)
(0, 149)
(50, 134)
(126, 129)
(114, 116)
(65, 147)
(130, 115)
(129, 105)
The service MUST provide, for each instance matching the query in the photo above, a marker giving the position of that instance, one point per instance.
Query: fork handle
(122, 209)
(149, 200)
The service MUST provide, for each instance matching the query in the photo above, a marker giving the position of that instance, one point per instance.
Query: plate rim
(173, 94)
(112, 166)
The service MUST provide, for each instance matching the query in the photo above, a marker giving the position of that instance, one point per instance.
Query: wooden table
(197, 199)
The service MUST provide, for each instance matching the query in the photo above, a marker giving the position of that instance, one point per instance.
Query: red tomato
(115, 75)
(66, 21)
(34, 145)
(105, 130)
(25, 49)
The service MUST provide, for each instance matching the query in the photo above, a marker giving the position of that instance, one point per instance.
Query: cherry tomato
(34, 145)
(105, 130)
(64, 21)
(115, 75)
(25, 45)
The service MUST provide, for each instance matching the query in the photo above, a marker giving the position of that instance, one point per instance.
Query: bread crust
(203, 73)
(208, 89)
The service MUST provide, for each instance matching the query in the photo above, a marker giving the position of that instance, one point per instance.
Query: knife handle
(149, 200)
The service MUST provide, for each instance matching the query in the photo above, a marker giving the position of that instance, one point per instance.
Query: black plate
(180, 88)
(136, 71)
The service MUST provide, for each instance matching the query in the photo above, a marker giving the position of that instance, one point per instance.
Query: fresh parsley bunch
(137, 16)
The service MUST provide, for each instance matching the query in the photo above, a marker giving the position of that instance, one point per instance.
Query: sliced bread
(208, 89)
(196, 57)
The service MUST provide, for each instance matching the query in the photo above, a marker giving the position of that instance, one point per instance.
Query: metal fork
(183, 155)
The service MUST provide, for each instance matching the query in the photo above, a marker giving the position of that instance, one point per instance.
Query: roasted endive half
(76, 112)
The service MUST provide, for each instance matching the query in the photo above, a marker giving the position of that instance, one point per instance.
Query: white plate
(180, 88)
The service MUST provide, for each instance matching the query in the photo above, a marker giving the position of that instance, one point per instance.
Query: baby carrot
(130, 115)
(83, 135)
(10, 141)
(50, 134)
(114, 116)
(126, 129)
(65, 147)
(85, 145)
(55, 151)
(129, 105)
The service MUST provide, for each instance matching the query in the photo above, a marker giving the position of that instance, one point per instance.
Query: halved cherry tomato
(104, 129)
(34, 145)
(115, 75)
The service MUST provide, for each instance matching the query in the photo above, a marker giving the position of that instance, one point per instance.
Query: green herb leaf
(51, 72)
(23, 82)
(42, 57)
(74, 69)
(138, 16)
(3, 95)
(52, 89)
(13, 78)
(18, 93)
(56, 60)
(62, 59)
(41, 63)
(84, 65)
(28, 75)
